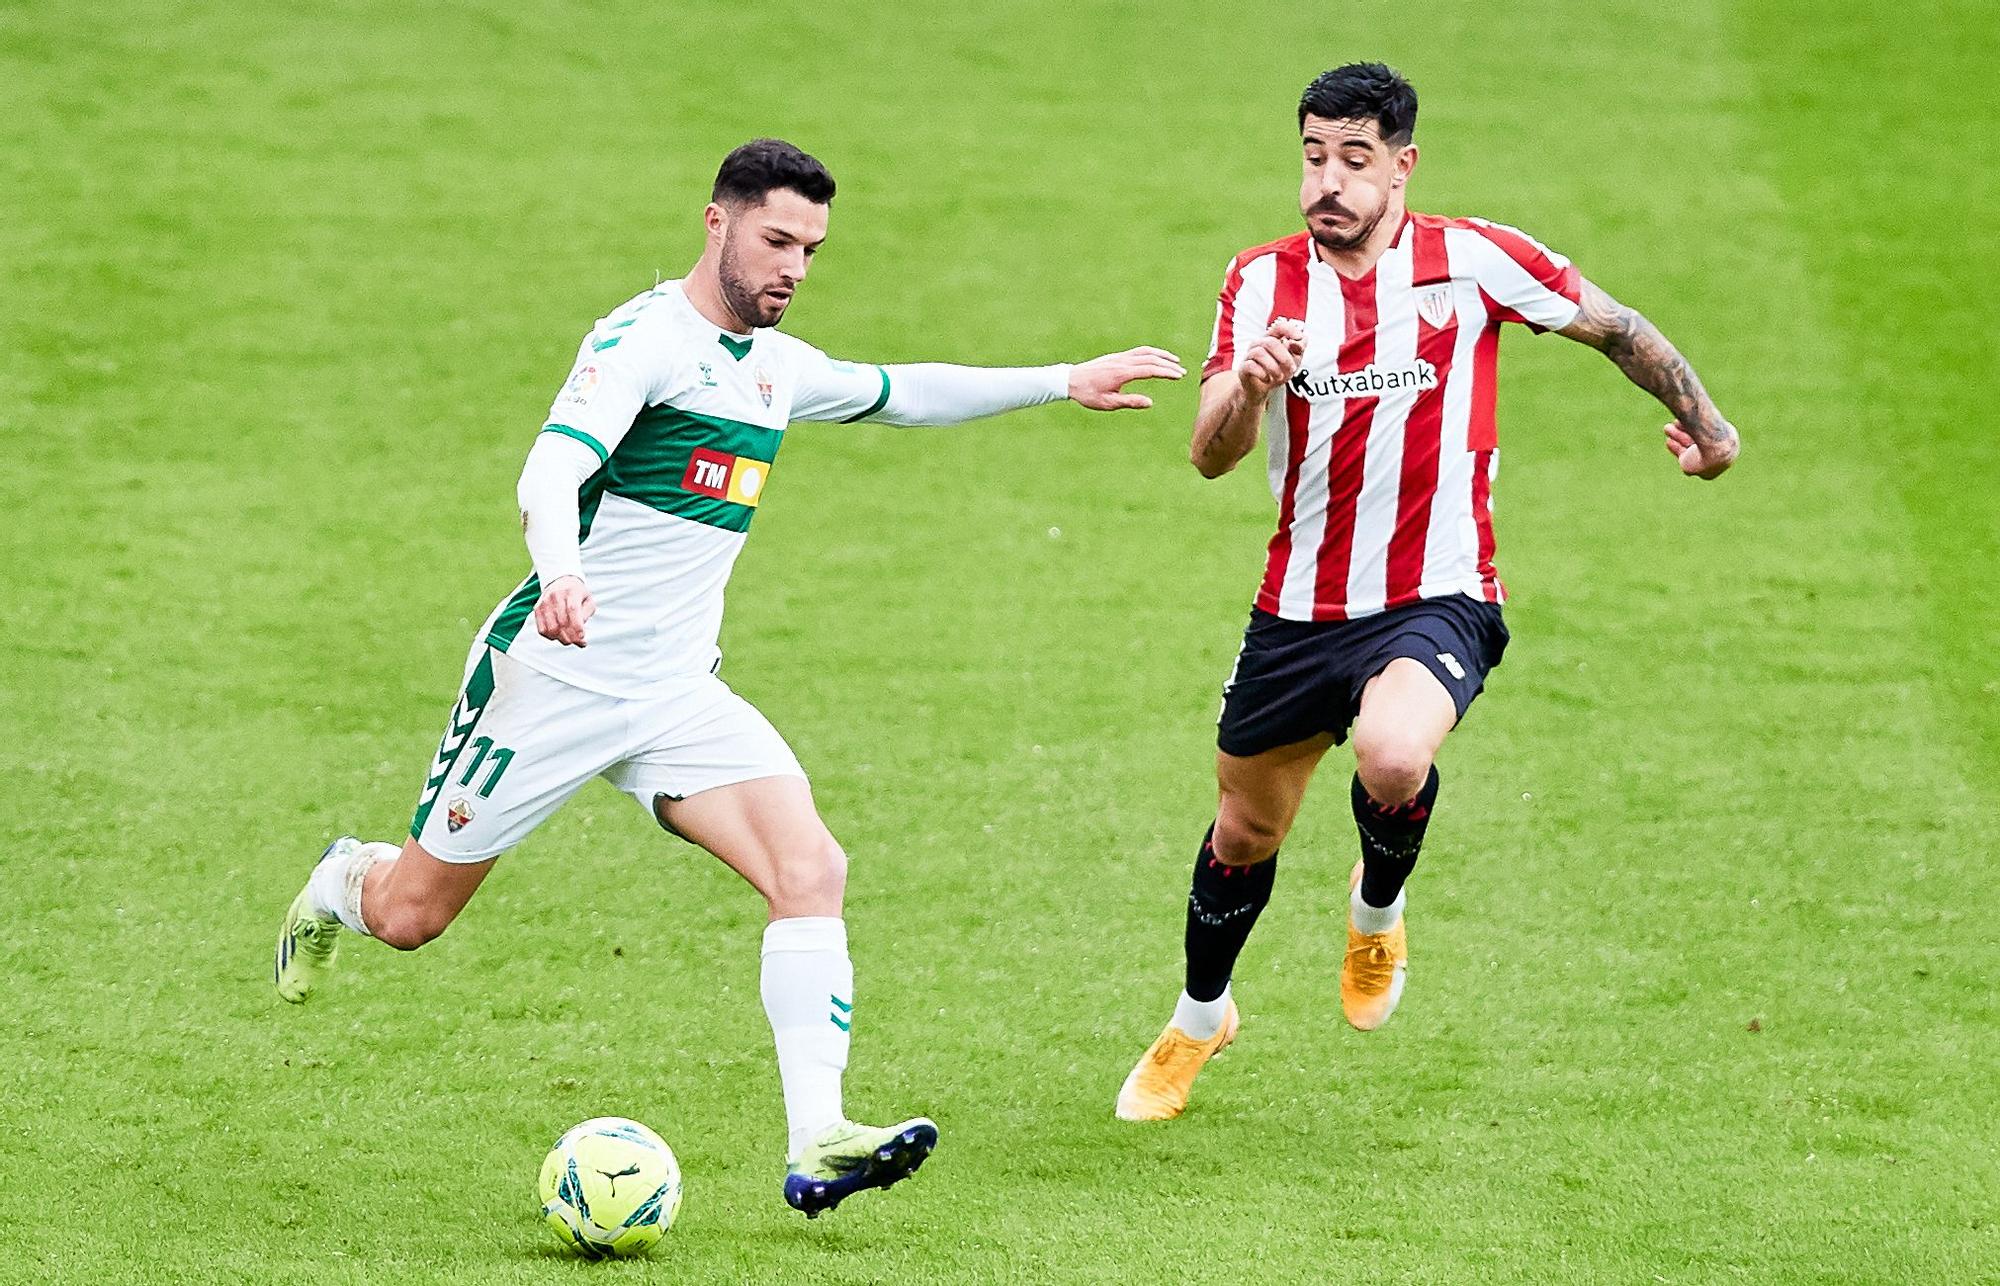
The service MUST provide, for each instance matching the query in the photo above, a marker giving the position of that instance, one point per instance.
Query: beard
(744, 299)
(1363, 228)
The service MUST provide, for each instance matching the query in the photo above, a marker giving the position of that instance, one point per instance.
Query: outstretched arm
(940, 393)
(936, 393)
(1699, 437)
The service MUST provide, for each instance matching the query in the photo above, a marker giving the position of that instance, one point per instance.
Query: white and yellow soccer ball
(610, 1188)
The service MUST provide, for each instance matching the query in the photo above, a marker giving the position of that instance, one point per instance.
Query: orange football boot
(1371, 977)
(1157, 1089)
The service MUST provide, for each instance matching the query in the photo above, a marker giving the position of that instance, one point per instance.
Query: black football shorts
(1296, 679)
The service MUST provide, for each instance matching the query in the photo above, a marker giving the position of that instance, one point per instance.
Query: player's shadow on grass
(817, 1239)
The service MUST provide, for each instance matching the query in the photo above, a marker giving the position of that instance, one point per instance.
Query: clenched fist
(563, 609)
(1272, 358)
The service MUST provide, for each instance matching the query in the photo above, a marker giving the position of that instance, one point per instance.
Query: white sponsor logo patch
(1370, 381)
(1450, 662)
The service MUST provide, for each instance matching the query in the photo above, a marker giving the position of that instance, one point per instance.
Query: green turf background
(1705, 938)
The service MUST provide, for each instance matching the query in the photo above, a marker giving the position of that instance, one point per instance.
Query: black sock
(1222, 906)
(1391, 838)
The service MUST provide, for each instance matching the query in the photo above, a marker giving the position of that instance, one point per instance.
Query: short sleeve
(1242, 311)
(829, 389)
(611, 382)
(1527, 281)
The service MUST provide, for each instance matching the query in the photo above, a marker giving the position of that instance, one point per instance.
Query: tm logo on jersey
(1370, 381)
(725, 477)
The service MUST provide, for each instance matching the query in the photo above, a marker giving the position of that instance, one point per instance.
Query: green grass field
(1705, 935)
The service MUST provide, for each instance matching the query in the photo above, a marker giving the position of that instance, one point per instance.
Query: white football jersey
(686, 420)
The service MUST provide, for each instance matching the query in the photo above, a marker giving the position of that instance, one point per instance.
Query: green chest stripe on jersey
(651, 464)
(648, 467)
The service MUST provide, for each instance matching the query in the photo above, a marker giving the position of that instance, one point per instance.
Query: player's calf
(406, 927)
(1224, 901)
(1373, 971)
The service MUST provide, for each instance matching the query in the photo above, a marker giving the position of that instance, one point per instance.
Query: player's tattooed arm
(1703, 442)
(1232, 405)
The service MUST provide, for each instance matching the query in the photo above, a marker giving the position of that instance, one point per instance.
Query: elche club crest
(763, 384)
(458, 815)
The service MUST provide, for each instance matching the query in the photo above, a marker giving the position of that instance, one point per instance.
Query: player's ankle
(1374, 919)
(1201, 1019)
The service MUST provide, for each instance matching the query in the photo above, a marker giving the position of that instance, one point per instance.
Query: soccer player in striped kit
(1365, 348)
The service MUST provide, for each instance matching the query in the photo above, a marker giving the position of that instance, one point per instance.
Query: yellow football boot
(1371, 977)
(1157, 1089)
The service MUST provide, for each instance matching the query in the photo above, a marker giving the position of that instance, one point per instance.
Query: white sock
(808, 986)
(1374, 919)
(1201, 1019)
(335, 887)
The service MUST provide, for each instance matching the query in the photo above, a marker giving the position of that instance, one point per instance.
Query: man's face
(1352, 178)
(765, 251)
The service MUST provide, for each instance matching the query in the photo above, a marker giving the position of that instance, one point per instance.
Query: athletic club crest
(1434, 305)
(763, 385)
(457, 816)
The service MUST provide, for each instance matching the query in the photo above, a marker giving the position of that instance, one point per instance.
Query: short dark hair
(1364, 91)
(765, 164)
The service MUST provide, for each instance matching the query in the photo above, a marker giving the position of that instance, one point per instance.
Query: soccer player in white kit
(1366, 345)
(635, 499)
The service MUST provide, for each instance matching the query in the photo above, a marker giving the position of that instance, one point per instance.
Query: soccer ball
(610, 1188)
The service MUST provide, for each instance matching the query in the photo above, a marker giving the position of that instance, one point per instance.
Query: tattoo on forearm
(1652, 362)
(1224, 435)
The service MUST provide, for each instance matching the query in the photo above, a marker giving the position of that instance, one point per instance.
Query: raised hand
(1100, 383)
(1272, 358)
(563, 609)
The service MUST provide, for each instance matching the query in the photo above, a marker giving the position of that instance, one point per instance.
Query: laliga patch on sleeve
(582, 383)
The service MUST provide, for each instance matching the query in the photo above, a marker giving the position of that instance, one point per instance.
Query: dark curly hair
(765, 164)
(1364, 91)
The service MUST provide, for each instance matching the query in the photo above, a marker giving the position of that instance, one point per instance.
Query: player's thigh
(1258, 797)
(517, 746)
(719, 775)
(768, 831)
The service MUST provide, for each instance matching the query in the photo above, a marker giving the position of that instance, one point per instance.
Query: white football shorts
(520, 743)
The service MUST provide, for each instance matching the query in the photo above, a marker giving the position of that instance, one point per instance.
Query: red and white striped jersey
(1383, 448)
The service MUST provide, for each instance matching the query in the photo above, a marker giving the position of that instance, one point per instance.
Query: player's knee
(1392, 769)
(407, 927)
(1243, 840)
(811, 881)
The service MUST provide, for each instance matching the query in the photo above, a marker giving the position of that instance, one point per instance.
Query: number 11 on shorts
(483, 748)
